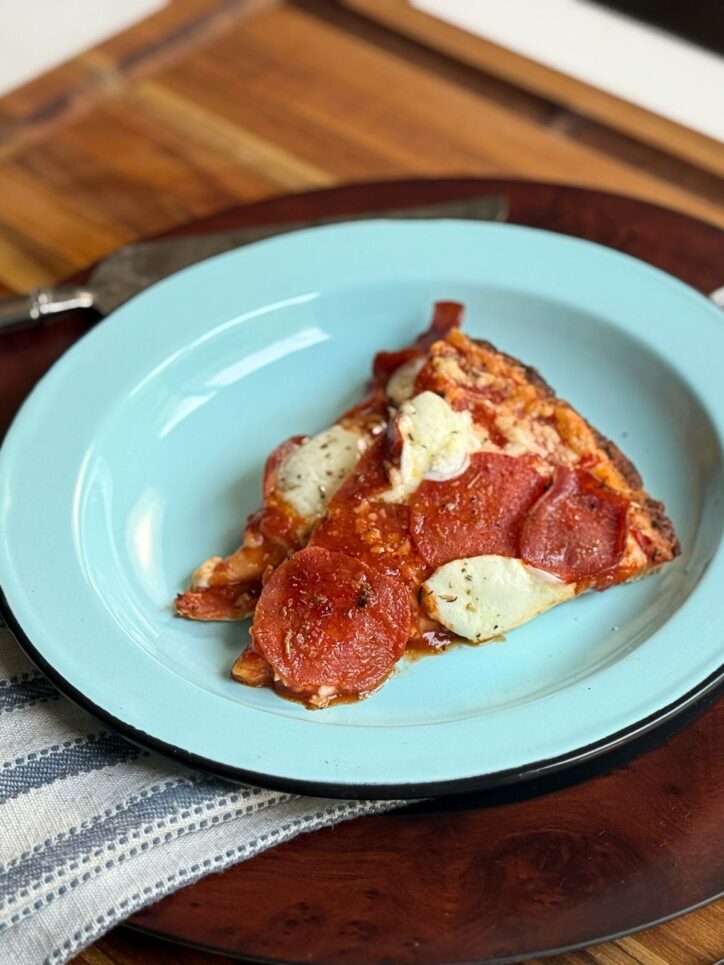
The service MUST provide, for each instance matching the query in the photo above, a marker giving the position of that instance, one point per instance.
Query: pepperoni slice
(331, 625)
(578, 529)
(479, 512)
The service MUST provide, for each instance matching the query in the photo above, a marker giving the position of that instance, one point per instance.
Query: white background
(36, 35)
(638, 63)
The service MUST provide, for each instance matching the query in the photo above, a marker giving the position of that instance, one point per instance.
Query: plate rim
(711, 686)
(408, 789)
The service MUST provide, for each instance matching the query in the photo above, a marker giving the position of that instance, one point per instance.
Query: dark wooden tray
(500, 876)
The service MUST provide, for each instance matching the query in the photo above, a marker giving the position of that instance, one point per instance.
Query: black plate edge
(712, 686)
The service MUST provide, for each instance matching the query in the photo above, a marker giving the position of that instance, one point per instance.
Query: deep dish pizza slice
(476, 499)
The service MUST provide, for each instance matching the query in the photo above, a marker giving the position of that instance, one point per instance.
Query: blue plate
(140, 454)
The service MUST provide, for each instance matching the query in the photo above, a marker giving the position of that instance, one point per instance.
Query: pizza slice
(471, 500)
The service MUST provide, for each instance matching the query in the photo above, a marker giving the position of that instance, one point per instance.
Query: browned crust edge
(653, 508)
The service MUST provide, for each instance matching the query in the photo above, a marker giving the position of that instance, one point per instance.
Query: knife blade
(129, 270)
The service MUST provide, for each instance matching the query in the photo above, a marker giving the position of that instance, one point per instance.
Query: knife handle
(25, 311)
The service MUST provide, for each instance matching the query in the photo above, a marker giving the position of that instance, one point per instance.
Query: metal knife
(133, 268)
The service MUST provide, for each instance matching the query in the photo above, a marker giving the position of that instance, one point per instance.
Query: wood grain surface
(231, 104)
(578, 96)
(213, 103)
(694, 940)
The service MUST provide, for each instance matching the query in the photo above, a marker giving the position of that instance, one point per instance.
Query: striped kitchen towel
(93, 828)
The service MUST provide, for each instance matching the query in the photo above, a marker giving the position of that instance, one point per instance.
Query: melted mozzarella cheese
(484, 596)
(202, 573)
(437, 443)
(401, 384)
(312, 473)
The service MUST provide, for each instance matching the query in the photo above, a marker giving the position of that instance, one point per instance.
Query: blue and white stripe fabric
(93, 828)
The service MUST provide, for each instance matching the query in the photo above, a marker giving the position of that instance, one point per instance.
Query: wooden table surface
(215, 102)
